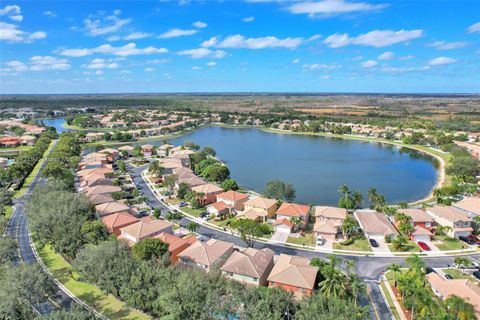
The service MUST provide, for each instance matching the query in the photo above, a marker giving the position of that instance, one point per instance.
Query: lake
(315, 165)
(57, 123)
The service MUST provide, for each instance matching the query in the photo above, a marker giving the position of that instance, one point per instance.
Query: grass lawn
(20, 192)
(16, 149)
(307, 240)
(409, 247)
(390, 301)
(224, 223)
(451, 244)
(193, 212)
(8, 211)
(457, 274)
(357, 245)
(107, 305)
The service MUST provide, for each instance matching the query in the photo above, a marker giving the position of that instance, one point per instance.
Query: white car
(320, 241)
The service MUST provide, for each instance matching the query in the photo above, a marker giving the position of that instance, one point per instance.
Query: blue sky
(239, 46)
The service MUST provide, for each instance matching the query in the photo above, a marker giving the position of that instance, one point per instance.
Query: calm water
(57, 123)
(316, 166)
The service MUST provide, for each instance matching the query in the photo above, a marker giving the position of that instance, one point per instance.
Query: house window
(428, 224)
(255, 279)
(466, 223)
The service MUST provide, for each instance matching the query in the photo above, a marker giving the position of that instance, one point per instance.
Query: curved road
(369, 268)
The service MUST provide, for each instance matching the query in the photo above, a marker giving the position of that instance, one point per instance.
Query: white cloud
(196, 68)
(50, 14)
(320, 66)
(369, 64)
(314, 37)
(331, 7)
(174, 33)
(395, 70)
(440, 61)
(99, 72)
(105, 25)
(40, 63)
(17, 18)
(474, 28)
(148, 69)
(248, 19)
(126, 50)
(11, 33)
(199, 24)
(211, 64)
(137, 35)
(16, 66)
(442, 45)
(239, 41)
(388, 55)
(409, 57)
(200, 53)
(375, 38)
(295, 61)
(100, 64)
(11, 9)
(210, 42)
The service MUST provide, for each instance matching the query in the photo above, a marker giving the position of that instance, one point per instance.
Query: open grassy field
(107, 305)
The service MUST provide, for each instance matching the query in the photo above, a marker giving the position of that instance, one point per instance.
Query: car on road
(448, 276)
(476, 274)
(423, 245)
(374, 243)
(183, 204)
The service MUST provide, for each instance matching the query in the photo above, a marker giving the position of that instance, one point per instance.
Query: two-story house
(459, 221)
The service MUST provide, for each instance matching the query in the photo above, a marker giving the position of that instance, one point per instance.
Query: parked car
(429, 270)
(423, 245)
(476, 274)
(373, 243)
(474, 239)
(203, 215)
(319, 240)
(183, 204)
(466, 240)
(448, 276)
(201, 238)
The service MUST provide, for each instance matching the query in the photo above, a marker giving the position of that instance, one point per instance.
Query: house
(127, 149)
(107, 208)
(263, 207)
(458, 220)
(283, 225)
(28, 140)
(218, 209)
(10, 141)
(328, 221)
(145, 229)
(94, 136)
(463, 288)
(169, 164)
(101, 190)
(190, 181)
(147, 150)
(208, 193)
(233, 199)
(206, 255)
(96, 180)
(164, 149)
(100, 198)
(375, 224)
(250, 266)
(114, 222)
(294, 274)
(470, 205)
(176, 244)
(113, 153)
(422, 222)
(293, 210)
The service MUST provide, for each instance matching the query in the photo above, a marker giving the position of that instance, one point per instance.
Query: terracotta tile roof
(86, 172)
(331, 212)
(173, 242)
(102, 189)
(463, 288)
(192, 181)
(375, 222)
(325, 227)
(260, 202)
(169, 163)
(206, 253)
(118, 219)
(219, 206)
(451, 214)
(100, 198)
(420, 231)
(283, 221)
(469, 204)
(143, 229)
(293, 210)
(249, 262)
(126, 148)
(207, 188)
(233, 196)
(111, 207)
(253, 214)
(417, 215)
(294, 271)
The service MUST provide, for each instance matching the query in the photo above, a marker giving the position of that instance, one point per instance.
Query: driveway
(382, 246)
(280, 236)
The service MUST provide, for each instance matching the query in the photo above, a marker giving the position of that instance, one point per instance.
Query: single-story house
(463, 288)
(233, 199)
(293, 210)
(470, 205)
(101, 190)
(107, 208)
(265, 207)
(250, 266)
(191, 182)
(145, 229)
(114, 222)
(218, 209)
(94, 136)
(176, 244)
(458, 220)
(209, 191)
(28, 140)
(294, 274)
(100, 198)
(375, 224)
(10, 141)
(206, 255)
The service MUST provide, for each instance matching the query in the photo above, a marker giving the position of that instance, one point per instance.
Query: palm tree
(349, 227)
(344, 190)
(357, 287)
(296, 222)
(333, 285)
(357, 198)
(461, 309)
(415, 262)
(395, 268)
(192, 227)
(349, 264)
(156, 169)
(372, 195)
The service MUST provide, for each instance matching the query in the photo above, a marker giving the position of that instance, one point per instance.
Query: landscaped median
(107, 305)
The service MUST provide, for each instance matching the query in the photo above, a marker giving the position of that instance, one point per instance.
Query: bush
(347, 242)
(388, 238)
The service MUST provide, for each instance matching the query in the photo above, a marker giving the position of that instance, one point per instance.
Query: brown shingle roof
(469, 204)
(294, 271)
(100, 198)
(102, 189)
(451, 214)
(144, 229)
(375, 222)
(249, 262)
(111, 207)
(206, 253)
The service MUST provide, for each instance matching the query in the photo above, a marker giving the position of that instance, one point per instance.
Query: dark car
(476, 274)
(448, 276)
(474, 239)
(466, 240)
(423, 245)
(429, 270)
(373, 243)
(183, 204)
